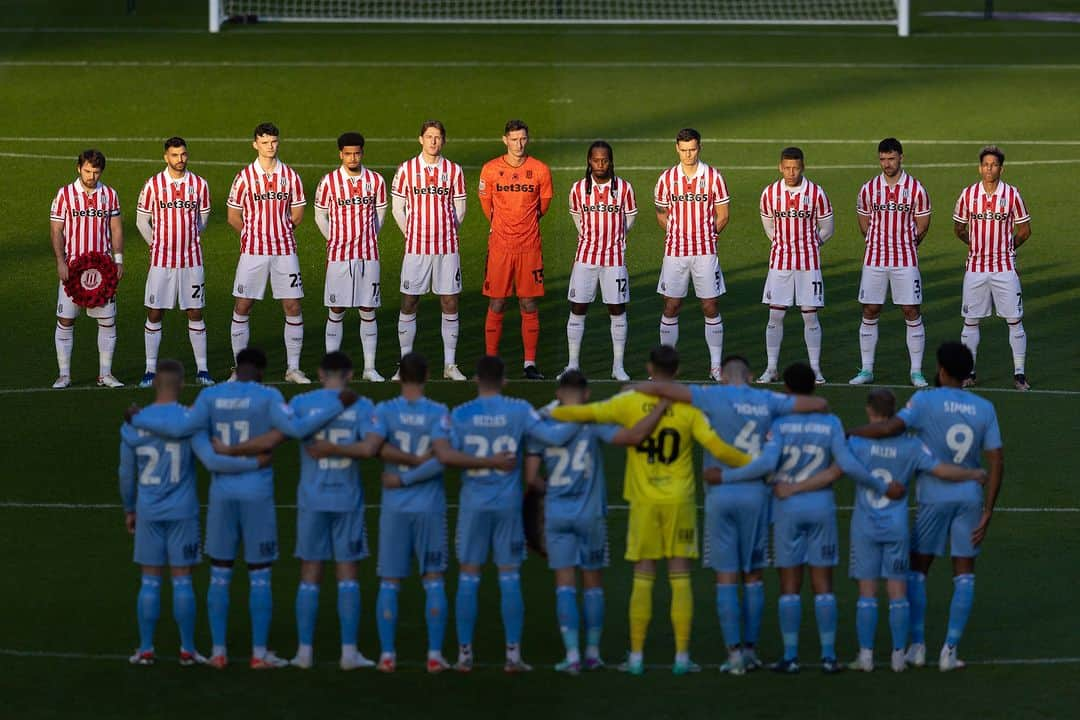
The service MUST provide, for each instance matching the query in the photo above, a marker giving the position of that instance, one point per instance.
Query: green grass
(70, 586)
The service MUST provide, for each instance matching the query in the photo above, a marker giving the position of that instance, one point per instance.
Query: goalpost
(553, 12)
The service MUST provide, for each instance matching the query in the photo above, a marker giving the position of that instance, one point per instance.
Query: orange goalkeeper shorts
(514, 273)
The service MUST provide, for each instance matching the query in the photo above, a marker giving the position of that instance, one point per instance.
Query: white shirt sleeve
(577, 221)
(630, 221)
(204, 219)
(397, 208)
(826, 228)
(769, 225)
(459, 210)
(322, 221)
(380, 217)
(146, 229)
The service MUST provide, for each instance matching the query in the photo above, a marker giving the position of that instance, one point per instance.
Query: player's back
(957, 426)
(236, 412)
(661, 468)
(515, 195)
(408, 425)
(894, 459)
(332, 484)
(740, 415)
(576, 485)
(164, 468)
(806, 443)
(484, 427)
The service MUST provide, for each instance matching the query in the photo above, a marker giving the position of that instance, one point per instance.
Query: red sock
(530, 334)
(493, 332)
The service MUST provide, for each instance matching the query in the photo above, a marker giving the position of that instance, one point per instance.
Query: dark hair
(266, 128)
(890, 145)
(792, 153)
(336, 362)
(735, 359)
(490, 370)
(512, 125)
(437, 124)
(175, 141)
(251, 357)
(955, 359)
(349, 139)
(170, 367)
(574, 379)
(992, 150)
(95, 157)
(413, 368)
(799, 378)
(599, 145)
(688, 134)
(882, 402)
(665, 359)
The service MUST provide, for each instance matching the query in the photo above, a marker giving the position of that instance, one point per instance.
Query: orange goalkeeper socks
(530, 334)
(493, 327)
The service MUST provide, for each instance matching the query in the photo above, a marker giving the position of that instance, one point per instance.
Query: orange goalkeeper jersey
(514, 195)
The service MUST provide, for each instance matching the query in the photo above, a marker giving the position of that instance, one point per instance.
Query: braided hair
(599, 145)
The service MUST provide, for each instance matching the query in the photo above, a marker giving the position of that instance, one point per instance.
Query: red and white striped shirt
(86, 217)
(352, 201)
(990, 219)
(691, 228)
(890, 238)
(795, 213)
(429, 192)
(267, 200)
(175, 207)
(602, 213)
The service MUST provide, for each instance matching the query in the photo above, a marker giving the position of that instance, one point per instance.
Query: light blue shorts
(499, 532)
(404, 535)
(167, 542)
(938, 524)
(322, 535)
(253, 522)
(878, 554)
(737, 530)
(806, 536)
(576, 542)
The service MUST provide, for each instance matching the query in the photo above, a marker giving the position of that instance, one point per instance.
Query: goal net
(656, 12)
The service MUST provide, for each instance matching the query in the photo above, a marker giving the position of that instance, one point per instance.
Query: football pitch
(78, 75)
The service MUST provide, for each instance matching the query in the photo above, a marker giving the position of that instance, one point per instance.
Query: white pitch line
(528, 64)
(555, 168)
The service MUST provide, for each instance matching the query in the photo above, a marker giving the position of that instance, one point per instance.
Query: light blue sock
(567, 610)
(594, 616)
(348, 610)
(307, 610)
(866, 622)
(899, 618)
(465, 607)
(512, 605)
(790, 619)
(183, 610)
(435, 612)
(261, 607)
(217, 603)
(148, 610)
(825, 609)
(753, 608)
(386, 612)
(916, 595)
(963, 598)
(727, 608)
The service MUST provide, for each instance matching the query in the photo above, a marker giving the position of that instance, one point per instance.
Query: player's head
(432, 137)
(688, 146)
(266, 140)
(890, 155)
(991, 163)
(168, 380)
(413, 369)
(880, 405)
(176, 154)
(516, 138)
(490, 373)
(350, 147)
(573, 388)
(250, 364)
(600, 163)
(91, 164)
(799, 379)
(955, 363)
(735, 370)
(792, 162)
(335, 370)
(663, 362)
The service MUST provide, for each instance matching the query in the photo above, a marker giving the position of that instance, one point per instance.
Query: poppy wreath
(91, 279)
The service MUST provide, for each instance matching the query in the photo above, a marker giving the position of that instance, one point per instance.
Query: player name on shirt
(884, 451)
(490, 420)
(804, 427)
(956, 407)
(752, 409)
(232, 403)
(412, 419)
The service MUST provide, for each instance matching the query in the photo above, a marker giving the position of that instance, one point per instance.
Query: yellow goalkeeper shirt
(661, 468)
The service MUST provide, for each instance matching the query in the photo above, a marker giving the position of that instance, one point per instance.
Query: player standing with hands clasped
(515, 192)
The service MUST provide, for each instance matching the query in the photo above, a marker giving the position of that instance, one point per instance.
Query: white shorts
(904, 283)
(785, 288)
(165, 287)
(1001, 287)
(614, 283)
(283, 271)
(67, 309)
(352, 283)
(676, 272)
(440, 274)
